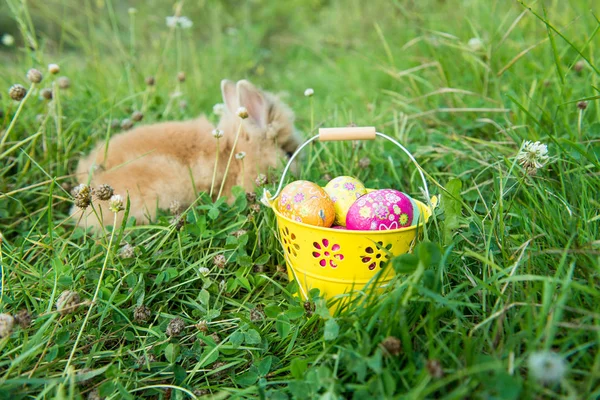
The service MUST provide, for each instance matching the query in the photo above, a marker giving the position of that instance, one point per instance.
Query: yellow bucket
(338, 261)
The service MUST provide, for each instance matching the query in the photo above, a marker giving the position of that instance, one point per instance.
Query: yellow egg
(306, 202)
(343, 191)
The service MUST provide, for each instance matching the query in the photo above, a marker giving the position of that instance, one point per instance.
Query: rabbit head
(267, 136)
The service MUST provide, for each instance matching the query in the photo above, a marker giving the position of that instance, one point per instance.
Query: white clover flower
(185, 23)
(175, 95)
(547, 367)
(53, 69)
(240, 155)
(182, 22)
(242, 112)
(309, 92)
(217, 133)
(132, 11)
(533, 155)
(475, 44)
(8, 39)
(115, 204)
(219, 109)
(204, 271)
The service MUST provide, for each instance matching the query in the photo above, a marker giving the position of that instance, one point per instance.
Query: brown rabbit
(173, 161)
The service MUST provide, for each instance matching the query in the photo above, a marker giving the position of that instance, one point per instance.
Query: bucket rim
(420, 204)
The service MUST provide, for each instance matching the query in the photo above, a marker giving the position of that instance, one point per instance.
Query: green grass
(510, 265)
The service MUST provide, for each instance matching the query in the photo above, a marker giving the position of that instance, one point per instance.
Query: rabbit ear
(229, 94)
(254, 101)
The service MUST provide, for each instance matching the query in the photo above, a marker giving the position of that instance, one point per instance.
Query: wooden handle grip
(358, 133)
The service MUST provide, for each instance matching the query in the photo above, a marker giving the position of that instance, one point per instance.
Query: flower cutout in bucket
(288, 240)
(326, 254)
(378, 255)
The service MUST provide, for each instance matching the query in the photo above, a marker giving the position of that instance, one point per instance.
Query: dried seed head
(178, 221)
(216, 338)
(17, 92)
(239, 232)
(261, 180)
(254, 208)
(201, 392)
(115, 204)
(391, 345)
(242, 112)
(183, 104)
(434, 368)
(309, 92)
(7, 322)
(579, 66)
(309, 307)
(115, 123)
(94, 395)
(258, 269)
(127, 251)
(46, 94)
(202, 326)
(103, 192)
(175, 207)
(68, 302)
(53, 69)
(175, 327)
(64, 82)
(83, 196)
(34, 75)
(240, 156)
(582, 105)
(181, 76)
(364, 162)
(23, 318)
(256, 315)
(220, 261)
(251, 197)
(217, 133)
(327, 177)
(150, 81)
(142, 314)
(126, 124)
(137, 116)
(143, 360)
(218, 365)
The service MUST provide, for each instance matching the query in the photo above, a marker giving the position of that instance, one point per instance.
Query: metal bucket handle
(338, 134)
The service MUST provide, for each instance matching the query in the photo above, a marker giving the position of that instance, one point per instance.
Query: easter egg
(343, 191)
(306, 202)
(381, 210)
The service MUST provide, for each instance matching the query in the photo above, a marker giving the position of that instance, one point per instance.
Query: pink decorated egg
(383, 209)
(306, 202)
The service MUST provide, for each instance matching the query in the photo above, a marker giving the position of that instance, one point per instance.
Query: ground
(499, 301)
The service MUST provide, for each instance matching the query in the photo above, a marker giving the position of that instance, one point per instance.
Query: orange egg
(306, 202)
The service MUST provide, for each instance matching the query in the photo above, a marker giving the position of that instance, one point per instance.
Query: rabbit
(158, 164)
